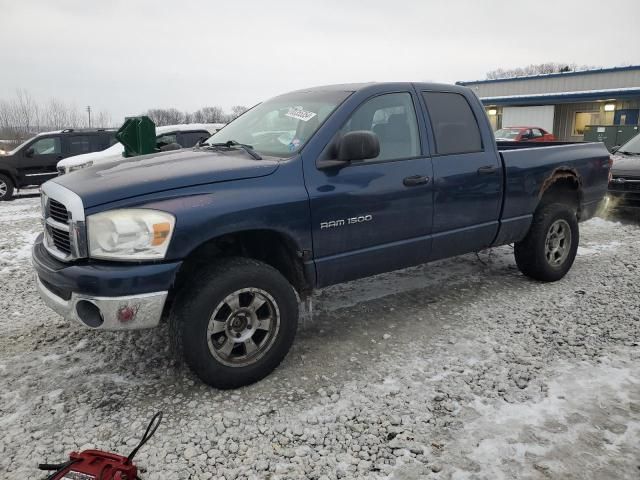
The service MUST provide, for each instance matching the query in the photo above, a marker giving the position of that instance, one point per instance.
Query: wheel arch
(12, 176)
(563, 185)
(272, 247)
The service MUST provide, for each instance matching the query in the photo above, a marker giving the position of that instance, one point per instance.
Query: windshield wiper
(624, 152)
(231, 144)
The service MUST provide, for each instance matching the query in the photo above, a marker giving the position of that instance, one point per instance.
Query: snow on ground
(460, 369)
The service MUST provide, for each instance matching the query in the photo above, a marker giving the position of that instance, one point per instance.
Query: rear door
(467, 175)
(374, 216)
(78, 144)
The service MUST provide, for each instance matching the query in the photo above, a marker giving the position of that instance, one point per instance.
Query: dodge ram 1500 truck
(305, 190)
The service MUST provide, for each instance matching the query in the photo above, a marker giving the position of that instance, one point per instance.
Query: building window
(582, 119)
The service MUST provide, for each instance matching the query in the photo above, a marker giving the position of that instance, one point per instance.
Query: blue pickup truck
(305, 190)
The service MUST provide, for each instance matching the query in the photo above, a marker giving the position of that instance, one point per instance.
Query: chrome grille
(63, 220)
(60, 239)
(625, 184)
(58, 211)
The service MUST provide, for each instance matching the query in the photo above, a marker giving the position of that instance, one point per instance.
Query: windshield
(632, 146)
(509, 133)
(280, 127)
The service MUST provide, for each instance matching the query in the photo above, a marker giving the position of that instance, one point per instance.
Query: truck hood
(135, 176)
(626, 165)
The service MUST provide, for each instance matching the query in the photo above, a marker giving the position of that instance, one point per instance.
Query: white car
(185, 135)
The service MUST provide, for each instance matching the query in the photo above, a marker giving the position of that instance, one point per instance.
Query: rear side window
(454, 124)
(189, 139)
(79, 144)
(100, 142)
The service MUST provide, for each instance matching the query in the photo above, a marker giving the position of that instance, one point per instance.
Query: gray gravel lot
(461, 369)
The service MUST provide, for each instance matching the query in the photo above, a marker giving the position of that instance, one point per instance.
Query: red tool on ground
(99, 465)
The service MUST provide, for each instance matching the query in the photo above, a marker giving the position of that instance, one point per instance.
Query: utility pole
(89, 112)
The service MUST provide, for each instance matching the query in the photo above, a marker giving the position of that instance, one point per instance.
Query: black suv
(34, 162)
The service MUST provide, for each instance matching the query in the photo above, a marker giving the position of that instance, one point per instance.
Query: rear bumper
(102, 295)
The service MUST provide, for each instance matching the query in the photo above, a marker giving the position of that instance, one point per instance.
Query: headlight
(131, 234)
(73, 168)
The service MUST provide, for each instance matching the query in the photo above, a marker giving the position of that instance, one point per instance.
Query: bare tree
(103, 119)
(236, 111)
(537, 69)
(209, 115)
(165, 116)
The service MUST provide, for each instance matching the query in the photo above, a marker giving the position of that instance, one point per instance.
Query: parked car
(184, 135)
(624, 187)
(308, 189)
(524, 134)
(34, 162)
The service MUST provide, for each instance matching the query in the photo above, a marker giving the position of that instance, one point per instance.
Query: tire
(215, 323)
(6, 188)
(549, 261)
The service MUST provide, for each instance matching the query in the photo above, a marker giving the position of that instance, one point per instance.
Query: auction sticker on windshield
(300, 114)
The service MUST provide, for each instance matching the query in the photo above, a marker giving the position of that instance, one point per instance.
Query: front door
(374, 215)
(467, 176)
(37, 162)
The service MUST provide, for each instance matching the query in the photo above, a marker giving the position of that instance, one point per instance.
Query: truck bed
(530, 167)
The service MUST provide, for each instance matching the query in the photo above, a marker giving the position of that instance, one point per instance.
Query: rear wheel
(549, 249)
(238, 324)
(6, 188)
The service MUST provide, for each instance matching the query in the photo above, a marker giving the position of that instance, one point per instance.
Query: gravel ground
(460, 369)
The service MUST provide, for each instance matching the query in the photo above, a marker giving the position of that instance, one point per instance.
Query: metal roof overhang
(564, 97)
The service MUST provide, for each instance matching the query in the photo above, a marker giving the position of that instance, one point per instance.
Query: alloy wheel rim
(243, 327)
(558, 243)
(3, 189)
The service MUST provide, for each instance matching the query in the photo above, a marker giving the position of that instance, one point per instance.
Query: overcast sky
(126, 56)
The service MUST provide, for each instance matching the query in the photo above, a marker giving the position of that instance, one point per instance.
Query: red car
(524, 134)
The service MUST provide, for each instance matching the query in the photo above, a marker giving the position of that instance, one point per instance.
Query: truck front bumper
(104, 296)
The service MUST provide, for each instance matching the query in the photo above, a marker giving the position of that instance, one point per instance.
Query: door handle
(487, 170)
(415, 180)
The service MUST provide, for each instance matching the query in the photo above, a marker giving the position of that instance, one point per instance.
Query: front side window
(47, 146)
(79, 144)
(392, 118)
(537, 133)
(454, 125)
(280, 127)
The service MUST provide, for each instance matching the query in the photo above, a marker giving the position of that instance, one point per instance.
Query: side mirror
(358, 145)
(353, 146)
(29, 152)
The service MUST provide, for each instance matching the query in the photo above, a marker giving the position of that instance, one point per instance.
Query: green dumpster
(601, 133)
(138, 135)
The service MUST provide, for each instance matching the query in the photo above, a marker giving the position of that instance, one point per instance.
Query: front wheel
(6, 188)
(238, 324)
(549, 249)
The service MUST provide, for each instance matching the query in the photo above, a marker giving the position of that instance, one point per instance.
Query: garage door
(528, 117)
